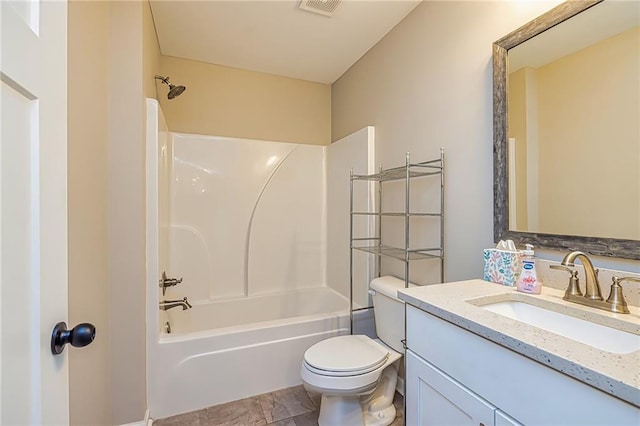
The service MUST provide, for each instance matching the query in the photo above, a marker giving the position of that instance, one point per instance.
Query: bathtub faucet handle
(168, 282)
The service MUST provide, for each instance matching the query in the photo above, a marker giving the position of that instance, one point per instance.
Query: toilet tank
(388, 311)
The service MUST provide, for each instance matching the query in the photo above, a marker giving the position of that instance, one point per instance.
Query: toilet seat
(330, 373)
(345, 356)
(347, 382)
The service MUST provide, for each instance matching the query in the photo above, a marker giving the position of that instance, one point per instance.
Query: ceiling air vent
(322, 7)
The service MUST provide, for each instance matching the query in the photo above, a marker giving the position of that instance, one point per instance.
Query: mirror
(566, 133)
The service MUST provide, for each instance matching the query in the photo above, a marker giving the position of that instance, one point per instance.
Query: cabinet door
(502, 419)
(435, 399)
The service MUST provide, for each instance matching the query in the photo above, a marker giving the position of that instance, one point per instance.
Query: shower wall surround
(246, 217)
(249, 226)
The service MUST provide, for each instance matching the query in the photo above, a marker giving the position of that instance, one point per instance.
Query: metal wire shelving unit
(373, 244)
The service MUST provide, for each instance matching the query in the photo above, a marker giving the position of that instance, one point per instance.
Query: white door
(33, 210)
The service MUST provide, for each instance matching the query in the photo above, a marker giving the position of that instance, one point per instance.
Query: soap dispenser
(528, 281)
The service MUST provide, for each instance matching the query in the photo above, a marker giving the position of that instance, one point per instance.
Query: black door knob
(79, 336)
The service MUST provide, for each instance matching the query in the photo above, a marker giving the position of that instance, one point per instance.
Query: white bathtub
(256, 228)
(228, 350)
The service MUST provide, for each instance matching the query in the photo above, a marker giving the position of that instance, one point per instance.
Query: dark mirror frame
(612, 247)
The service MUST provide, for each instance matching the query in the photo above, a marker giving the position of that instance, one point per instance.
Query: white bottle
(528, 281)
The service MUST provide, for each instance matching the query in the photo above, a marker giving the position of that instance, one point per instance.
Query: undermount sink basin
(587, 332)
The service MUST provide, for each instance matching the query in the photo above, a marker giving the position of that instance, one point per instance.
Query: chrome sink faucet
(592, 295)
(165, 305)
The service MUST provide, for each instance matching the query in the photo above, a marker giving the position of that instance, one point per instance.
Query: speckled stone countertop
(460, 303)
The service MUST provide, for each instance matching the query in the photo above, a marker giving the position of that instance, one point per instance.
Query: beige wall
(113, 55)
(127, 210)
(89, 384)
(605, 179)
(427, 84)
(150, 53)
(226, 101)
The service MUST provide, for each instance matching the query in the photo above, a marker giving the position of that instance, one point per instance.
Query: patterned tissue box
(502, 267)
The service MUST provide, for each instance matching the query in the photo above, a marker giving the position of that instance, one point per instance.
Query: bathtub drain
(167, 327)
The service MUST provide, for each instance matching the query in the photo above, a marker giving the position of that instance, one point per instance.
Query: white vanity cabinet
(456, 377)
(435, 399)
(502, 419)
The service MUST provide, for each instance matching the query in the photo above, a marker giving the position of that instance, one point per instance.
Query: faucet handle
(562, 268)
(616, 298)
(618, 280)
(165, 282)
(574, 282)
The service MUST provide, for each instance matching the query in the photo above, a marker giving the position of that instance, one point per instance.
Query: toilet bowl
(356, 374)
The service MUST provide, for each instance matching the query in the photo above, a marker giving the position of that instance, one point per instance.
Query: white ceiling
(275, 36)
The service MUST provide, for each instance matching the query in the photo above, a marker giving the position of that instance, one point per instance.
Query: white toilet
(357, 375)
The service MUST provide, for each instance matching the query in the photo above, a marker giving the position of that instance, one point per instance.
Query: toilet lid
(346, 355)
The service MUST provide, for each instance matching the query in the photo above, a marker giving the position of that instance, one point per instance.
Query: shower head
(174, 90)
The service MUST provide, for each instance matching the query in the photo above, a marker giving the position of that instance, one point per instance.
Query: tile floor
(285, 407)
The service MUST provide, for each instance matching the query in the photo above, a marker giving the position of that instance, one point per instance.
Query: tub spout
(165, 305)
